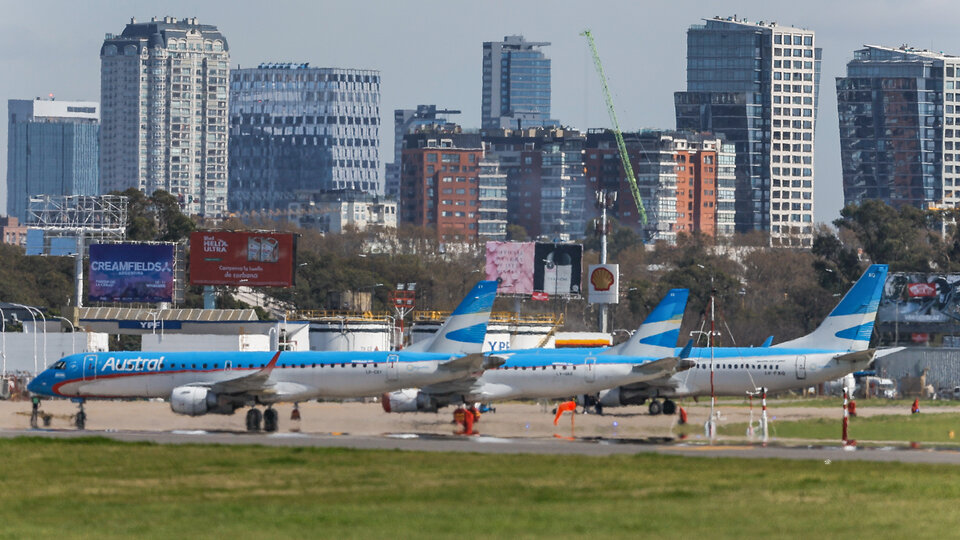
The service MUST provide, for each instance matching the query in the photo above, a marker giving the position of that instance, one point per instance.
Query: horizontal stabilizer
(857, 357)
(887, 351)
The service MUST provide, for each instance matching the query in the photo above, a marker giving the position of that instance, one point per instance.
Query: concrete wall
(17, 348)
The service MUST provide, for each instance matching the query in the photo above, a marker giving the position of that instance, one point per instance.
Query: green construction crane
(624, 157)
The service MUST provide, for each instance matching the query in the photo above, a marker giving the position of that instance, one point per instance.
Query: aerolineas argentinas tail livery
(552, 373)
(199, 383)
(835, 348)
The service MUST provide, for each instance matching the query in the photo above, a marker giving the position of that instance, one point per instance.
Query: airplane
(835, 348)
(647, 356)
(198, 383)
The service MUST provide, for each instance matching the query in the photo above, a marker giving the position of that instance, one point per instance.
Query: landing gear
(654, 407)
(80, 419)
(254, 417)
(669, 407)
(271, 420)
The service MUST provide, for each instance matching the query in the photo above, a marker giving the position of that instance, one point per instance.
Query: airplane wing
(252, 382)
(664, 367)
(465, 385)
(473, 362)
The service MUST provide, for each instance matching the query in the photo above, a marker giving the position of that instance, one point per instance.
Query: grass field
(96, 487)
(924, 427)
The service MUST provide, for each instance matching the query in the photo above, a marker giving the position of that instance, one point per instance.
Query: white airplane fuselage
(737, 371)
(296, 375)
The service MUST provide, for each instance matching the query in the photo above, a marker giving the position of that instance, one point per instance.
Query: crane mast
(624, 157)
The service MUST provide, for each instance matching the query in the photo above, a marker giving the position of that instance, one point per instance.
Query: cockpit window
(61, 364)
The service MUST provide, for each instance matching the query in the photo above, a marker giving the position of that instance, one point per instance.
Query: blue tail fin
(850, 324)
(466, 328)
(657, 336)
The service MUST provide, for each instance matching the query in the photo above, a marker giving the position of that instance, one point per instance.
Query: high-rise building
(492, 224)
(406, 121)
(439, 186)
(299, 128)
(53, 148)
(516, 84)
(899, 129)
(163, 91)
(546, 191)
(757, 85)
(686, 181)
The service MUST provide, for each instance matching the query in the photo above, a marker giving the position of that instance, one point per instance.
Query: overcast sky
(429, 51)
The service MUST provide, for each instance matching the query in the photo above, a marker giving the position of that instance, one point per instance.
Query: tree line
(759, 291)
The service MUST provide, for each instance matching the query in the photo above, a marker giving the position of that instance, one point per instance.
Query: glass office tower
(53, 148)
(516, 84)
(296, 128)
(899, 128)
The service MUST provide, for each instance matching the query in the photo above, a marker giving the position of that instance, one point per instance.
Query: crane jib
(624, 156)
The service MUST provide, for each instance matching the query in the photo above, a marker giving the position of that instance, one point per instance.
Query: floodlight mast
(622, 146)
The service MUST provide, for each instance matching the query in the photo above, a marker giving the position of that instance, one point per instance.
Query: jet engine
(198, 400)
(408, 400)
(620, 396)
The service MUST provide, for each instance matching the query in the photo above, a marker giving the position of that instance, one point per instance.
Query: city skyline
(63, 60)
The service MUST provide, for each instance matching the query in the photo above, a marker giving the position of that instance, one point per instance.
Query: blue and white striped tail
(466, 328)
(657, 336)
(849, 326)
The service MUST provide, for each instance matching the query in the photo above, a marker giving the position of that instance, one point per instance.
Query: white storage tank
(350, 332)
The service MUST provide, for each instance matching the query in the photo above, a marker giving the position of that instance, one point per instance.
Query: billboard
(557, 268)
(920, 298)
(511, 263)
(603, 284)
(254, 259)
(131, 273)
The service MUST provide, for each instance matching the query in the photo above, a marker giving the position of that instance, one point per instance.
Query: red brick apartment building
(439, 182)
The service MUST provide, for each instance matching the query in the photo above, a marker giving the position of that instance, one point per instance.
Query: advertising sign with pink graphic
(512, 264)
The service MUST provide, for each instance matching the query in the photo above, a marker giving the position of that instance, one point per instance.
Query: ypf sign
(603, 283)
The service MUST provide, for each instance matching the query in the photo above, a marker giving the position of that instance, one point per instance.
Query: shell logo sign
(604, 283)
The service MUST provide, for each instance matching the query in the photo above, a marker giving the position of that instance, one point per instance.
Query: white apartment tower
(756, 83)
(163, 93)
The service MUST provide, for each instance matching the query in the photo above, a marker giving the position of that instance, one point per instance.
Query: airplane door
(801, 367)
(228, 366)
(393, 372)
(89, 367)
(591, 365)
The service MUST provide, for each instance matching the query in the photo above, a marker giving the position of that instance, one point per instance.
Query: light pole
(73, 330)
(30, 311)
(3, 348)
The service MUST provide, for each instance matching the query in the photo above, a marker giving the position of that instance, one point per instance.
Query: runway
(501, 445)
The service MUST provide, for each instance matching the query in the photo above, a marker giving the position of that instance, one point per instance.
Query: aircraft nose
(37, 385)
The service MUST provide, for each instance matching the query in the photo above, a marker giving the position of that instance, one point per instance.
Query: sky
(429, 51)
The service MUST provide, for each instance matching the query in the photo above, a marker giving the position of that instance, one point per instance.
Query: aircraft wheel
(253, 420)
(80, 420)
(669, 407)
(654, 407)
(271, 420)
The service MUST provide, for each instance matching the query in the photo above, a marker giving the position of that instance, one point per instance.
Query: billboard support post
(78, 270)
(602, 196)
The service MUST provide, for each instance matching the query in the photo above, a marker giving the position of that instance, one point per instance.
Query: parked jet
(550, 373)
(198, 383)
(837, 347)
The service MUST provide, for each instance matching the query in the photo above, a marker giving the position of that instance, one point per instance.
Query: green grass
(99, 488)
(923, 427)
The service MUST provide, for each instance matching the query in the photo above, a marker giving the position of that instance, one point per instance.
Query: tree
(900, 238)
(516, 233)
